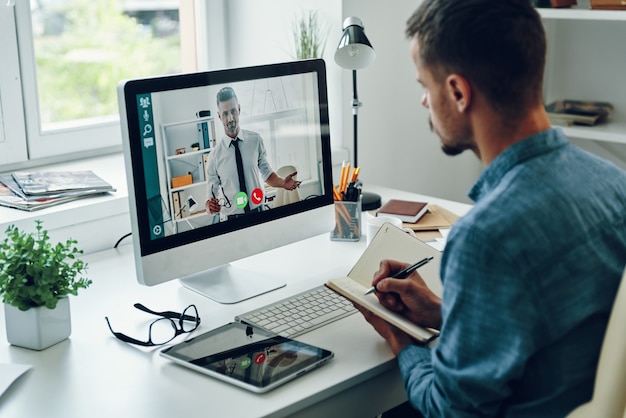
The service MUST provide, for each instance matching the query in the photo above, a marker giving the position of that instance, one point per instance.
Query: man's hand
(410, 297)
(396, 338)
(213, 206)
(290, 182)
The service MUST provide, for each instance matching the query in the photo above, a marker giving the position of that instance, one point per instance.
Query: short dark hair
(226, 93)
(499, 46)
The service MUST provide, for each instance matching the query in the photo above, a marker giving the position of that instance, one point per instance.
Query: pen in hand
(404, 273)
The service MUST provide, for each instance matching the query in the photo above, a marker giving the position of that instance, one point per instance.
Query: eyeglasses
(164, 329)
(222, 201)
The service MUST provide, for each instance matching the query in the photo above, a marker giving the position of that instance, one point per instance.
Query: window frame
(23, 141)
(88, 137)
(12, 134)
(23, 144)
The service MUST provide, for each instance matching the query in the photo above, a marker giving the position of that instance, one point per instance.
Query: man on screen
(238, 165)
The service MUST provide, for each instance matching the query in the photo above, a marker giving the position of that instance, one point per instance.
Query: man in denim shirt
(531, 272)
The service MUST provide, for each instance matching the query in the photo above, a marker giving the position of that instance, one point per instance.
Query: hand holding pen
(402, 274)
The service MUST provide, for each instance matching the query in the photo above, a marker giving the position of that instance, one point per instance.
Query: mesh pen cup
(347, 221)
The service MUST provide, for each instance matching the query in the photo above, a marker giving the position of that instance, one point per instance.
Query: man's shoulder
(221, 144)
(249, 135)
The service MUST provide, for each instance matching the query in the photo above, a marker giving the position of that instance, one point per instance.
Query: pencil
(343, 172)
(344, 179)
(336, 194)
(355, 174)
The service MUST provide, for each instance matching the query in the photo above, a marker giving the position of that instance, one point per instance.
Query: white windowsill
(96, 222)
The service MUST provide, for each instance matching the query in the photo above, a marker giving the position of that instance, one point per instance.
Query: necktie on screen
(242, 180)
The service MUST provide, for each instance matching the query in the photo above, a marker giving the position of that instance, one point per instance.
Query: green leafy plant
(34, 272)
(309, 36)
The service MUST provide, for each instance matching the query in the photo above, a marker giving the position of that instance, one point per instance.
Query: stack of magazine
(33, 190)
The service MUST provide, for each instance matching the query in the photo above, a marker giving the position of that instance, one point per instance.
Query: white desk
(92, 374)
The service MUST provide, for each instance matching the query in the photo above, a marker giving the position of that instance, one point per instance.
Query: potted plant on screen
(36, 278)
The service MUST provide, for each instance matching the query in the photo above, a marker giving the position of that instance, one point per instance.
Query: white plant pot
(38, 328)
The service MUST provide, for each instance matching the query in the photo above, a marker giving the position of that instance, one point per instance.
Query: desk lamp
(190, 205)
(353, 53)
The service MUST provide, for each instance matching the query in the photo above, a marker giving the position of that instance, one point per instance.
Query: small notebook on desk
(406, 210)
(390, 243)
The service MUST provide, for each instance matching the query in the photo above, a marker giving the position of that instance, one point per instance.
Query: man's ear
(459, 91)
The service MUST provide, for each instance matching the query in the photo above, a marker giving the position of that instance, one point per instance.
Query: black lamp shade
(191, 202)
(354, 50)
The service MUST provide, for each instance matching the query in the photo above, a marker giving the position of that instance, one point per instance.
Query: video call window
(181, 132)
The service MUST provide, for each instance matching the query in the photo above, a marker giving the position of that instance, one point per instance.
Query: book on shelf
(47, 182)
(578, 112)
(407, 210)
(390, 243)
(562, 3)
(203, 135)
(608, 4)
(177, 208)
(554, 3)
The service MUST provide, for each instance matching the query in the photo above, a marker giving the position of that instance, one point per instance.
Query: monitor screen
(222, 165)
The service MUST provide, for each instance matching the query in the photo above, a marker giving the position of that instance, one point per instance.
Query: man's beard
(232, 128)
(451, 149)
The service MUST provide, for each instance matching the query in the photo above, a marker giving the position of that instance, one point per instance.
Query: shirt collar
(240, 136)
(533, 146)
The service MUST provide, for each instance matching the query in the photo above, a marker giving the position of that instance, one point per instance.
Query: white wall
(396, 147)
(262, 33)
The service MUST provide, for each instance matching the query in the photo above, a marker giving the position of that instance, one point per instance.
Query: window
(58, 103)
(72, 53)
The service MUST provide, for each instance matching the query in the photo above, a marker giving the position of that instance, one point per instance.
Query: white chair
(609, 392)
(284, 197)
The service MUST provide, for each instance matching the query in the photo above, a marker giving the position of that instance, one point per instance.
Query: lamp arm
(355, 111)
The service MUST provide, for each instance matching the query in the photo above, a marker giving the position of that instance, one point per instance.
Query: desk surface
(93, 374)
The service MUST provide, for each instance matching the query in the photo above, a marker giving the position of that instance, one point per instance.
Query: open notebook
(390, 243)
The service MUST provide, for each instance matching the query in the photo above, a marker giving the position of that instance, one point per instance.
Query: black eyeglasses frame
(169, 315)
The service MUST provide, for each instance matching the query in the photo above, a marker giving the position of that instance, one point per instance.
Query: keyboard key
(327, 317)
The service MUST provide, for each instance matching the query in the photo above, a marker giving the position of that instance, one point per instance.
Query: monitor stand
(230, 284)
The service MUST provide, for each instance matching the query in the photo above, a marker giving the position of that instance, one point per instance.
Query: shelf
(188, 186)
(178, 135)
(188, 154)
(195, 215)
(585, 61)
(611, 132)
(583, 14)
(188, 121)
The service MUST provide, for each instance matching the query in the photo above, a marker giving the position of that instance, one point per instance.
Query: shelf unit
(587, 61)
(186, 147)
(584, 14)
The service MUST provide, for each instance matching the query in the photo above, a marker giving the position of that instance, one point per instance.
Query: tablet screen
(248, 356)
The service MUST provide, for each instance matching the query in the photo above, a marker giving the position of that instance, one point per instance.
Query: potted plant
(35, 279)
(309, 36)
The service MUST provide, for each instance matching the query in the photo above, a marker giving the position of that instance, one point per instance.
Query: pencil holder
(347, 221)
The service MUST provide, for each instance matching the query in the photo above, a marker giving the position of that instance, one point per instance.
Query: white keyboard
(300, 313)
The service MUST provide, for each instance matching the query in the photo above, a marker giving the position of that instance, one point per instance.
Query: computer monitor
(176, 152)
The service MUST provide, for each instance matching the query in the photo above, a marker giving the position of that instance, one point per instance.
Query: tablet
(248, 357)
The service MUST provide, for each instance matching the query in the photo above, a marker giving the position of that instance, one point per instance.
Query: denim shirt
(529, 277)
